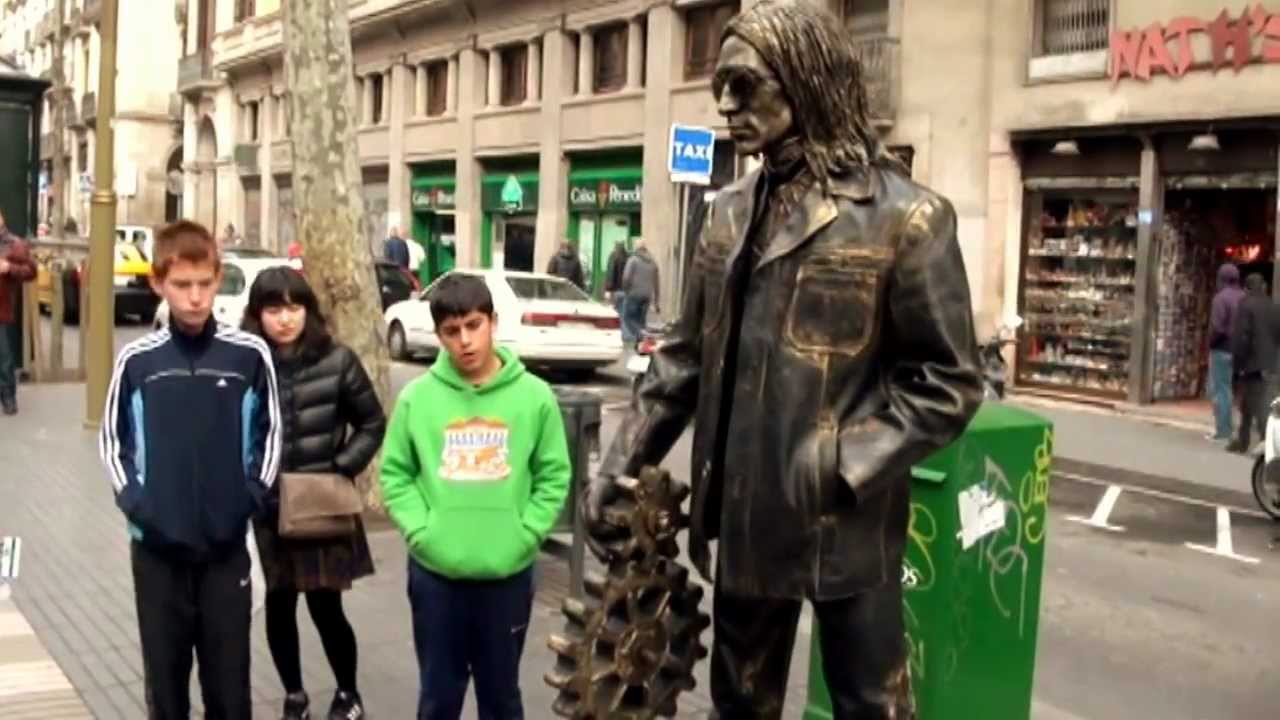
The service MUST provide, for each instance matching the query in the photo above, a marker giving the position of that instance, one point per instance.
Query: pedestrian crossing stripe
(10, 557)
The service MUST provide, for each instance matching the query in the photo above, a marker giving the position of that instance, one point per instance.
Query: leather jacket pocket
(832, 307)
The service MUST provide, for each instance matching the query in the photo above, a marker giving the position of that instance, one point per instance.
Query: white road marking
(1225, 547)
(1102, 512)
(1251, 512)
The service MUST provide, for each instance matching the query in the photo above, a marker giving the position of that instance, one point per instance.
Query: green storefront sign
(434, 198)
(509, 192)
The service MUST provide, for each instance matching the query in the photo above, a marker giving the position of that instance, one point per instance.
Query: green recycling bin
(972, 571)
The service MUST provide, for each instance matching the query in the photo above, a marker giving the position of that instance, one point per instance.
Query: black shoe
(346, 706)
(10, 406)
(1237, 447)
(297, 706)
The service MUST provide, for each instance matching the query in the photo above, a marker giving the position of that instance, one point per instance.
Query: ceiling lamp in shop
(1066, 147)
(1204, 142)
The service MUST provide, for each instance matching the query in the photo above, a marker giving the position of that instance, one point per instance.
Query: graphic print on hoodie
(475, 477)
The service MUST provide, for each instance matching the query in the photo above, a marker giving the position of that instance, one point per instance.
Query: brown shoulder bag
(318, 505)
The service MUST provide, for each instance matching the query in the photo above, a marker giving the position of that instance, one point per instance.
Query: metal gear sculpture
(629, 648)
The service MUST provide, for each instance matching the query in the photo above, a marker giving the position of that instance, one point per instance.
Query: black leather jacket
(321, 399)
(856, 359)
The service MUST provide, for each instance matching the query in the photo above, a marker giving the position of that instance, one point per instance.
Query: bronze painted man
(824, 346)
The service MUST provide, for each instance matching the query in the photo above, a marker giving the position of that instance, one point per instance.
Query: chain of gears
(629, 647)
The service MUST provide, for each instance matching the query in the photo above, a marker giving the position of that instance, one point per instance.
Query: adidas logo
(222, 382)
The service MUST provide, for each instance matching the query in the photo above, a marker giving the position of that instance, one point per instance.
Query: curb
(1156, 483)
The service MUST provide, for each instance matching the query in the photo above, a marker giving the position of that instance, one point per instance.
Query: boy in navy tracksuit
(191, 440)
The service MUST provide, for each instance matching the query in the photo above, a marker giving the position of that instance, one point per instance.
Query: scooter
(1266, 466)
(995, 370)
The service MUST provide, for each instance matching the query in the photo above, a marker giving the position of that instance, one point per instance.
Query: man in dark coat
(396, 249)
(1254, 343)
(567, 265)
(825, 344)
(16, 268)
(613, 276)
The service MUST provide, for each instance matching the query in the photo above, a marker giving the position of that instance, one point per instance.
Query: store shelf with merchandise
(1077, 295)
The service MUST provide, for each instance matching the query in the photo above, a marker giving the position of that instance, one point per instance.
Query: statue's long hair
(821, 76)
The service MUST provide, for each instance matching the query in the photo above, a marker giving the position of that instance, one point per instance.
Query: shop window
(437, 88)
(703, 26)
(611, 58)
(1065, 27)
(377, 85)
(1078, 291)
(515, 73)
(82, 156)
(866, 17)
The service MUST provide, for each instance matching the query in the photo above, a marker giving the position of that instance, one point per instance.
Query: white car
(238, 274)
(547, 321)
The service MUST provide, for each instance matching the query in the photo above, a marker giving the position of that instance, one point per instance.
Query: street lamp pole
(102, 224)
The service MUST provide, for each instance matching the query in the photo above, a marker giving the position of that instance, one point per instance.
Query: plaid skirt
(305, 565)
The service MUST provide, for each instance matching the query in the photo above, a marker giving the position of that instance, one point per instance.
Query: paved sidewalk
(76, 590)
(32, 686)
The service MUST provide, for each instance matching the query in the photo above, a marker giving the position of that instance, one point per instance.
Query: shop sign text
(605, 195)
(434, 199)
(1167, 48)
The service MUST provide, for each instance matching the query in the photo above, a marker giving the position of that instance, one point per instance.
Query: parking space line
(1225, 547)
(1102, 512)
(1237, 509)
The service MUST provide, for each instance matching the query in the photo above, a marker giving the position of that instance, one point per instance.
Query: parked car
(238, 275)
(131, 279)
(547, 321)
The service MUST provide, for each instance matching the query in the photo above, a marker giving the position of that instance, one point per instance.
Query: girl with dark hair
(333, 423)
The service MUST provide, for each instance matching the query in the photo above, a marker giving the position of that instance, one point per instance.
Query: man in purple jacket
(1222, 317)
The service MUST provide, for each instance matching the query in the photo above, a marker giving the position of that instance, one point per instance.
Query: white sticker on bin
(981, 513)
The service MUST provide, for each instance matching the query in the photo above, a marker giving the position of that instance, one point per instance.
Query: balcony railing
(195, 71)
(89, 108)
(881, 58)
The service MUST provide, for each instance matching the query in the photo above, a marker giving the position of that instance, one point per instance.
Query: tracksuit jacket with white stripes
(191, 437)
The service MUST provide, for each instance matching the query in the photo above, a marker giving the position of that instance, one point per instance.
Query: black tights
(335, 634)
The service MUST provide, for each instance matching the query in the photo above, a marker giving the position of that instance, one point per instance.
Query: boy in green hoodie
(475, 469)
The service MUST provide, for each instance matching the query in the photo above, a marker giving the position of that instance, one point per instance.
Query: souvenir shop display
(1184, 283)
(1078, 295)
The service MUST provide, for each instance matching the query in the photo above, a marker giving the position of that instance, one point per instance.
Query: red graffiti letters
(1169, 49)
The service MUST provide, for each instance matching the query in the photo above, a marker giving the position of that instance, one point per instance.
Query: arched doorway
(173, 186)
(206, 204)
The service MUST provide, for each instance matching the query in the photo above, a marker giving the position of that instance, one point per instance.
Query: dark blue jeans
(1220, 392)
(9, 335)
(635, 315)
(466, 628)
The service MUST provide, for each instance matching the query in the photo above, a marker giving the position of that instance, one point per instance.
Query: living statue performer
(825, 344)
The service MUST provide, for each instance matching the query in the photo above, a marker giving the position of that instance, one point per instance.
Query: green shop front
(433, 199)
(605, 195)
(509, 201)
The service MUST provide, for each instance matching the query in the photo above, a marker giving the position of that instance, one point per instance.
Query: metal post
(100, 311)
(1142, 330)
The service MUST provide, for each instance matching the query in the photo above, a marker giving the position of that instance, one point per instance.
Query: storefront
(1108, 313)
(605, 194)
(377, 196)
(433, 198)
(509, 201)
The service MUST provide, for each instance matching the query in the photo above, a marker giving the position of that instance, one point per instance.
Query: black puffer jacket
(321, 398)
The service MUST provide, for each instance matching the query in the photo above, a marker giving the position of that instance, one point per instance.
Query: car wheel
(397, 344)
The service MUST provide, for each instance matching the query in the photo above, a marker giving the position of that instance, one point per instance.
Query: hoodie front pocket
(477, 543)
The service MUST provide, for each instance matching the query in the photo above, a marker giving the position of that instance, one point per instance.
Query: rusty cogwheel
(630, 647)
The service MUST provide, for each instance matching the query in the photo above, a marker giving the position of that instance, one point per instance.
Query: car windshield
(535, 288)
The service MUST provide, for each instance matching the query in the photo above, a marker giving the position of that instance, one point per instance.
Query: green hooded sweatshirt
(475, 477)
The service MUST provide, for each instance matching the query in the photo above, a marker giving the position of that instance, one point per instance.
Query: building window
(251, 120)
(377, 86)
(866, 17)
(611, 58)
(515, 73)
(437, 88)
(244, 10)
(703, 27)
(1064, 27)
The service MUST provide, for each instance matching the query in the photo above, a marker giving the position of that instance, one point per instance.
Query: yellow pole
(100, 299)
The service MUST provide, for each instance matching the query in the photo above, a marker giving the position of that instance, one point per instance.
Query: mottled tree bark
(327, 187)
(58, 98)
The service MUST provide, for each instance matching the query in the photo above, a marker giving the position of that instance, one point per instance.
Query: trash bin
(972, 571)
(582, 416)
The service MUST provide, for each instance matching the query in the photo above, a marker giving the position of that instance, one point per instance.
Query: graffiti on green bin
(918, 575)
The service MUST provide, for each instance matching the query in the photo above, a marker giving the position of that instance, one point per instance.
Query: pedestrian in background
(332, 422)
(191, 441)
(567, 265)
(396, 249)
(613, 276)
(16, 268)
(1222, 315)
(1255, 342)
(640, 282)
(475, 470)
